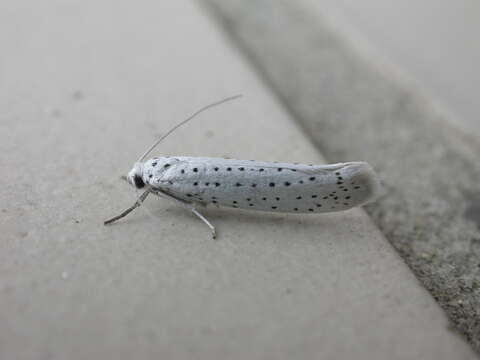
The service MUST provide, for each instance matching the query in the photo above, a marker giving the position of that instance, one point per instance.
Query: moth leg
(137, 203)
(191, 207)
(201, 217)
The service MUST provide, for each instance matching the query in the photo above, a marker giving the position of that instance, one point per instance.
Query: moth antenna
(150, 149)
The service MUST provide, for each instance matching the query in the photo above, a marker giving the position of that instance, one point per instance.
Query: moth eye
(138, 181)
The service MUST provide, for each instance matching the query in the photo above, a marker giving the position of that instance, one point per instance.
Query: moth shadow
(226, 217)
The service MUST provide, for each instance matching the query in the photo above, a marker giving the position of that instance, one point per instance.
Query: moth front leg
(137, 203)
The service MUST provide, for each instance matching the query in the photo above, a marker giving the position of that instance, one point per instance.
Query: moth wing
(303, 168)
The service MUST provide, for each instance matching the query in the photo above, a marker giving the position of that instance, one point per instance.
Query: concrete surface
(85, 87)
(353, 105)
(433, 42)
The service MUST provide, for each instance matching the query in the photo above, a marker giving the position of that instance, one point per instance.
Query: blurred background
(434, 43)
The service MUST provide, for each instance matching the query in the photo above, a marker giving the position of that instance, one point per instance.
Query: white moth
(250, 184)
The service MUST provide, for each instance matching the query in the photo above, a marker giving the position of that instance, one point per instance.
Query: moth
(250, 184)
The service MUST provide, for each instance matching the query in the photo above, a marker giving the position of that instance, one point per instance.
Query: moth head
(135, 176)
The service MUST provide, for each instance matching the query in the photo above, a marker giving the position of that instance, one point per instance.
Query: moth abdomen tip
(362, 180)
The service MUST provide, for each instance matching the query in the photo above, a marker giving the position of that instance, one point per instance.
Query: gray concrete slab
(433, 42)
(353, 104)
(86, 86)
